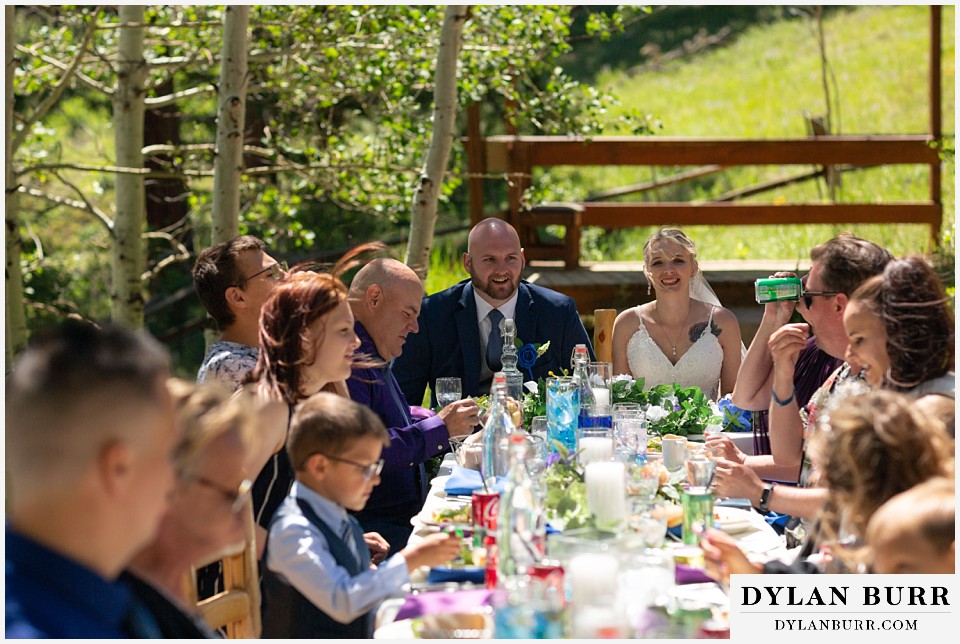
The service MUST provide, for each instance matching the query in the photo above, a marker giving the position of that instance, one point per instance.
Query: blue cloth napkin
(441, 574)
(464, 481)
(777, 521)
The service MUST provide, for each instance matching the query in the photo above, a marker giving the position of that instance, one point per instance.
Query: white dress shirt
(299, 551)
(508, 309)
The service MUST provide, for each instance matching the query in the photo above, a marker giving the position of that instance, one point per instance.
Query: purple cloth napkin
(458, 601)
(684, 574)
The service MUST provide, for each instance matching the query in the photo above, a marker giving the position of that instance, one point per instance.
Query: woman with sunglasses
(901, 331)
(684, 336)
(207, 506)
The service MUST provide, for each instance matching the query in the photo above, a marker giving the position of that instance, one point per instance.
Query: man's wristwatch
(765, 496)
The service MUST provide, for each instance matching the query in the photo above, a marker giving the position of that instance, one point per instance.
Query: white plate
(439, 481)
(732, 520)
(400, 630)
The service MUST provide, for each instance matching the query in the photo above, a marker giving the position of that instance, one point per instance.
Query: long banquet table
(758, 540)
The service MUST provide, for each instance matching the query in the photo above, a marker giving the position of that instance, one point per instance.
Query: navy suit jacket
(448, 343)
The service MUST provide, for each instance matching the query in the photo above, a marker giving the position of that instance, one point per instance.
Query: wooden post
(603, 333)
(476, 163)
(935, 116)
(520, 177)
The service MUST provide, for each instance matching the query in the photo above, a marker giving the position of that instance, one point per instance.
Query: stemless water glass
(538, 426)
(448, 391)
(629, 434)
(597, 411)
(648, 518)
(536, 455)
(643, 479)
(700, 470)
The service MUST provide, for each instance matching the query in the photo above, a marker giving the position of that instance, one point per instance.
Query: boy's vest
(288, 614)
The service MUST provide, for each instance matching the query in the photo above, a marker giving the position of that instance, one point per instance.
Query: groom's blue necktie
(494, 341)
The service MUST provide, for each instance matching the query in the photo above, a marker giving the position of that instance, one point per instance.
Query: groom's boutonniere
(528, 354)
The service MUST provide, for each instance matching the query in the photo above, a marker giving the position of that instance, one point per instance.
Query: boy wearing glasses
(318, 580)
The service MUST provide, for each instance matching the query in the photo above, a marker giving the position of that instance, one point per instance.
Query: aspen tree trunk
(423, 216)
(16, 327)
(127, 299)
(228, 163)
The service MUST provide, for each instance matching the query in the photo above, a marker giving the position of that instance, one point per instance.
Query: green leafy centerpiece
(566, 500)
(670, 409)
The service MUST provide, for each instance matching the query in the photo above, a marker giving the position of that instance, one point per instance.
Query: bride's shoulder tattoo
(697, 330)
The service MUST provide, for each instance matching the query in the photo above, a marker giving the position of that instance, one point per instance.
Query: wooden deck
(620, 285)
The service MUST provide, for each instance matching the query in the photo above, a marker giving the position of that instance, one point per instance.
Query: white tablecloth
(749, 529)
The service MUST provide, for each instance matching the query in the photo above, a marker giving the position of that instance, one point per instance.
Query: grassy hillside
(760, 85)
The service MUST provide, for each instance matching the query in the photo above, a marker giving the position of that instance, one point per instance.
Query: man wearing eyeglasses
(206, 511)
(233, 279)
(385, 298)
(775, 361)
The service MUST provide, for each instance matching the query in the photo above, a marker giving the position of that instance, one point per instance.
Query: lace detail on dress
(699, 366)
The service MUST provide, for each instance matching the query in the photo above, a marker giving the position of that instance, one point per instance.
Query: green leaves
(566, 500)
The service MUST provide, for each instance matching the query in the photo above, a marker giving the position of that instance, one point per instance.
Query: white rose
(656, 413)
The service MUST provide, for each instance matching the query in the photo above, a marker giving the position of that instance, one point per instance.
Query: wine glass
(448, 391)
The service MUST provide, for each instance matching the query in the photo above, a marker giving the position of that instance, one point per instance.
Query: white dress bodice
(699, 366)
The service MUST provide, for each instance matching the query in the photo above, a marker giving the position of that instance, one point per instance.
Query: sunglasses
(809, 295)
(237, 498)
(277, 272)
(369, 471)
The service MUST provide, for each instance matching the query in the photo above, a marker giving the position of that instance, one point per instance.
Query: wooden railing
(517, 156)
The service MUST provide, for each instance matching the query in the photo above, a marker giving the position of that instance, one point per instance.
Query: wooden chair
(236, 608)
(603, 320)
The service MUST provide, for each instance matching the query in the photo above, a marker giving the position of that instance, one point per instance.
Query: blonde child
(913, 532)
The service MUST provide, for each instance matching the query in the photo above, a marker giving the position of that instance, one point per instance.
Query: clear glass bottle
(521, 534)
(579, 362)
(508, 360)
(494, 463)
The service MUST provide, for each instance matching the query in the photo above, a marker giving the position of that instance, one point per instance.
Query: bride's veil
(701, 290)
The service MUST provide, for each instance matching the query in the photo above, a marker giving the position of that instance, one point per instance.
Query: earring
(648, 288)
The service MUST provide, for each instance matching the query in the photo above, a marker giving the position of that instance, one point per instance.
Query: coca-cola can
(490, 570)
(483, 510)
(714, 629)
(547, 569)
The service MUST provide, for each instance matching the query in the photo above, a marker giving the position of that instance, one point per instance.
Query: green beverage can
(697, 505)
(778, 289)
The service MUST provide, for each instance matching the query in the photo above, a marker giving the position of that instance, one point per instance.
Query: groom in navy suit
(459, 327)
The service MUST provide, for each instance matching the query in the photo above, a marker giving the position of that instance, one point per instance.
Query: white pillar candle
(595, 448)
(606, 493)
(592, 577)
(602, 397)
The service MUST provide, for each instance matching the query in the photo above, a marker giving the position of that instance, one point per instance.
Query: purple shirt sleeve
(410, 443)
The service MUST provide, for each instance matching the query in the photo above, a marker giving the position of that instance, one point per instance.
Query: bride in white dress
(684, 336)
